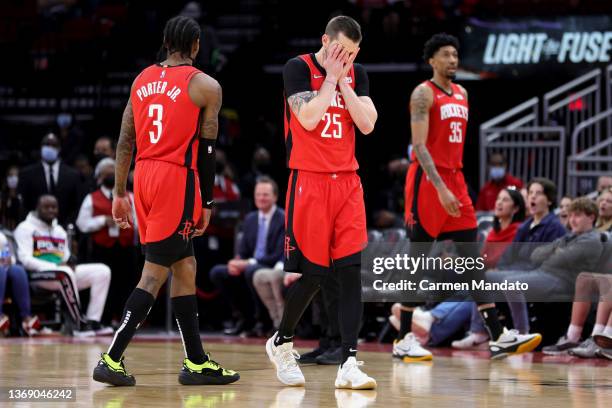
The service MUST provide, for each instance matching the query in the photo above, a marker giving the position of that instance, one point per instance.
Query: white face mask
(12, 181)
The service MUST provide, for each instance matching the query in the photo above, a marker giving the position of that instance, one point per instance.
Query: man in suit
(51, 176)
(261, 246)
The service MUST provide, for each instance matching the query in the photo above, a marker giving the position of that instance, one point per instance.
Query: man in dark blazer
(51, 176)
(261, 246)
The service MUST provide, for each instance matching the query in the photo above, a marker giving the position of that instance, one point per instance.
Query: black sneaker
(207, 373)
(332, 356)
(311, 356)
(112, 372)
(562, 346)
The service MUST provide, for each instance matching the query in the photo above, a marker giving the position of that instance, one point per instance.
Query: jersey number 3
(332, 120)
(456, 135)
(156, 111)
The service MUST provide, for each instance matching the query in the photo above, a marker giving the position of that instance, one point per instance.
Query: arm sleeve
(296, 77)
(86, 222)
(362, 83)
(206, 170)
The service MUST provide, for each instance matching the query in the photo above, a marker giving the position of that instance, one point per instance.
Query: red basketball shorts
(168, 207)
(423, 206)
(325, 221)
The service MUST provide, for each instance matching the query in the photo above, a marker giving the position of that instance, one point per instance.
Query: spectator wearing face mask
(109, 245)
(103, 148)
(51, 176)
(10, 200)
(499, 178)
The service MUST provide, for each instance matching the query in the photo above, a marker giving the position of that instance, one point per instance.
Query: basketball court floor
(453, 379)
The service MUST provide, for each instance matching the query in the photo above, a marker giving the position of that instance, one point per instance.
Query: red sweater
(496, 244)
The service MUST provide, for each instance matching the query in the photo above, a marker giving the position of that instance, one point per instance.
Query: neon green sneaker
(112, 372)
(207, 373)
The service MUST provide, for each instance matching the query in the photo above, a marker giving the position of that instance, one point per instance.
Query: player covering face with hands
(327, 97)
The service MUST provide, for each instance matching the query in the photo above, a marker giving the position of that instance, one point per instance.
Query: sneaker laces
(288, 357)
(354, 369)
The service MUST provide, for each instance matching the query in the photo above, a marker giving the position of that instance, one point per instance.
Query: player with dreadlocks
(172, 119)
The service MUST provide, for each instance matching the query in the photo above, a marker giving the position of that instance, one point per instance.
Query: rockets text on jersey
(166, 120)
(448, 117)
(330, 147)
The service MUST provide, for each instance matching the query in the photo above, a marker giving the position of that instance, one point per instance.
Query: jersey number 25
(332, 120)
(157, 111)
(456, 135)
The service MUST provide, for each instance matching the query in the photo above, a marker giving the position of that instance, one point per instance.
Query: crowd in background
(61, 190)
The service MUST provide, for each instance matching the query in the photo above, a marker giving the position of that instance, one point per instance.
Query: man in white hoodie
(43, 250)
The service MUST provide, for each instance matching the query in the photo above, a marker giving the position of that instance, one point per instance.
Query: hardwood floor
(456, 379)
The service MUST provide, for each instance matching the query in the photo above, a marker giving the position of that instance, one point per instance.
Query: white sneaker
(510, 342)
(471, 342)
(351, 377)
(421, 323)
(409, 349)
(283, 357)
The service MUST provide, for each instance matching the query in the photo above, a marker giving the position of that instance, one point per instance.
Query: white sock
(574, 332)
(598, 329)
(608, 331)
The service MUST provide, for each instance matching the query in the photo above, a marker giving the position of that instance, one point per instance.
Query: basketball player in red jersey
(438, 206)
(327, 97)
(172, 118)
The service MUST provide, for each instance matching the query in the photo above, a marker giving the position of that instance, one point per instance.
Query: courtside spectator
(499, 178)
(42, 245)
(261, 246)
(10, 271)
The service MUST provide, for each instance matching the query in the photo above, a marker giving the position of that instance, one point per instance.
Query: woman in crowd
(604, 219)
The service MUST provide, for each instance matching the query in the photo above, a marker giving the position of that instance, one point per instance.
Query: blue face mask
(497, 172)
(64, 120)
(49, 153)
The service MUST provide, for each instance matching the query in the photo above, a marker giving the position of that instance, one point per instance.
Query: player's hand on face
(122, 212)
(203, 223)
(348, 64)
(449, 202)
(334, 63)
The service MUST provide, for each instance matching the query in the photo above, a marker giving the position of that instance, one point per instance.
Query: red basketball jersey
(166, 120)
(330, 147)
(448, 118)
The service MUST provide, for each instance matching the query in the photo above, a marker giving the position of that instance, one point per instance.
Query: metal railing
(536, 151)
(575, 107)
(525, 114)
(592, 161)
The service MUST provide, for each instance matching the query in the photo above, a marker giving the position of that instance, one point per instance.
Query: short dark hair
(179, 35)
(438, 41)
(345, 25)
(268, 180)
(550, 190)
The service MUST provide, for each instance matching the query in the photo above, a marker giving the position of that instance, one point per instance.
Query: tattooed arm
(122, 206)
(308, 106)
(125, 150)
(420, 103)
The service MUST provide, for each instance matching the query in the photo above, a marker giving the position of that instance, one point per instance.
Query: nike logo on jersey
(317, 76)
(353, 350)
(439, 96)
(210, 202)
